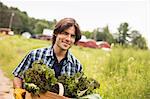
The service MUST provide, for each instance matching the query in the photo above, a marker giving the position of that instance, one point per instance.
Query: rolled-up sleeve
(24, 65)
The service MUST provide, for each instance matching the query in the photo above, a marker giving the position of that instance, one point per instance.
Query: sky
(91, 14)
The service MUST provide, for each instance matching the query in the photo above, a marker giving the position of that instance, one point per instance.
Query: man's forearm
(17, 82)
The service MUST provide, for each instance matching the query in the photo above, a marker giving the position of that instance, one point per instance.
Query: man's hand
(18, 92)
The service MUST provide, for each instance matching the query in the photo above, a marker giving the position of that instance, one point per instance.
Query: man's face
(65, 39)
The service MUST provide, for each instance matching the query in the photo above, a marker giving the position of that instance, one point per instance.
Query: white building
(47, 32)
(26, 35)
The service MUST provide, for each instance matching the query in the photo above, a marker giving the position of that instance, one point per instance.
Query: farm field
(124, 73)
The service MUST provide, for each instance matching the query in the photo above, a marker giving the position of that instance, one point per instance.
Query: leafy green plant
(78, 85)
(39, 79)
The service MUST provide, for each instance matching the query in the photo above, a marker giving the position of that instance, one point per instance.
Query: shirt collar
(69, 57)
(50, 52)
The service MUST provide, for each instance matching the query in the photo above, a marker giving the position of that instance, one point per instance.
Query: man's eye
(73, 36)
(65, 33)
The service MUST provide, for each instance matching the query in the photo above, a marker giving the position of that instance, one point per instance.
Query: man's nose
(68, 37)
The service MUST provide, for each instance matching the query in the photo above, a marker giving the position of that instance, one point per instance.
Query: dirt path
(6, 89)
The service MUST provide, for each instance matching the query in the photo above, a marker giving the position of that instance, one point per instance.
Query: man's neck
(60, 54)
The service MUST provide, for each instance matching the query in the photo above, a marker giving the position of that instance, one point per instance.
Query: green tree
(22, 22)
(39, 26)
(88, 34)
(103, 34)
(137, 40)
(4, 16)
(52, 24)
(123, 33)
(109, 38)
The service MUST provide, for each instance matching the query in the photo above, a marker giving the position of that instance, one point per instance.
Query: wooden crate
(47, 95)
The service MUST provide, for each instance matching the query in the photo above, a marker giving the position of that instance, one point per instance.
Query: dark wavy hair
(64, 24)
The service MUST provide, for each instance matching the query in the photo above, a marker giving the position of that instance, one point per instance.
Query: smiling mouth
(66, 44)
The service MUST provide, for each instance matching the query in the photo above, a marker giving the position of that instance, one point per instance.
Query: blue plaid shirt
(70, 65)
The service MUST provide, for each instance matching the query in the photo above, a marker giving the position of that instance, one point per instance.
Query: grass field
(124, 73)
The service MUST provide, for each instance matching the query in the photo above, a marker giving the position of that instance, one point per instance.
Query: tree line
(23, 23)
(124, 36)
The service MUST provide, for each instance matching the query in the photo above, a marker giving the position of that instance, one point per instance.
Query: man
(57, 57)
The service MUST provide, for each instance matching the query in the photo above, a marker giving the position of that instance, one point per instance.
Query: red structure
(90, 44)
(103, 44)
(5, 30)
(94, 44)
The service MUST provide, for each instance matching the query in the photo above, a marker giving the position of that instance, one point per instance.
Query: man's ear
(55, 35)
